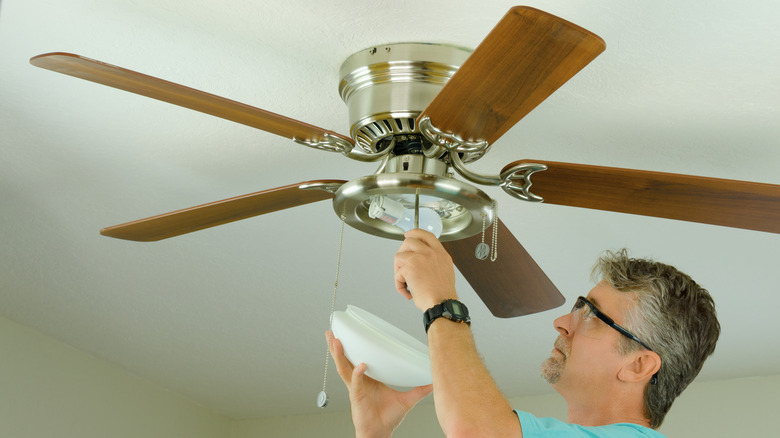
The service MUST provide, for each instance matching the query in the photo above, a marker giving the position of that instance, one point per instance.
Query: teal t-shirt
(553, 428)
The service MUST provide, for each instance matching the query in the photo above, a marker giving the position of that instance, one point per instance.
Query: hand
(424, 267)
(377, 409)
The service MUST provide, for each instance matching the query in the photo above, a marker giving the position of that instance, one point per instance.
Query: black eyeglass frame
(610, 322)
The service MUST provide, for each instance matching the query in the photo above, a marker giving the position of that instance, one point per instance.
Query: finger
(403, 257)
(356, 384)
(399, 261)
(423, 236)
(413, 247)
(343, 366)
(412, 244)
(400, 285)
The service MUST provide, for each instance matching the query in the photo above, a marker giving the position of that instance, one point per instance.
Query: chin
(551, 370)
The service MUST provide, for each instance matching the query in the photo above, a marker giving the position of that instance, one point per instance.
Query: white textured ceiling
(233, 317)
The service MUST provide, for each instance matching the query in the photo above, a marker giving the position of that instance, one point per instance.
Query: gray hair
(675, 316)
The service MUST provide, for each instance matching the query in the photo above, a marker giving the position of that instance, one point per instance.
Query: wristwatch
(453, 310)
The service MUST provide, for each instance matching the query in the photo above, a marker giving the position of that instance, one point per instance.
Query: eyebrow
(595, 302)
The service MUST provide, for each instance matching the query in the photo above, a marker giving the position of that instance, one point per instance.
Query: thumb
(413, 396)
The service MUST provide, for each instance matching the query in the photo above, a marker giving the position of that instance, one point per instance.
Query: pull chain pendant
(322, 399)
(484, 250)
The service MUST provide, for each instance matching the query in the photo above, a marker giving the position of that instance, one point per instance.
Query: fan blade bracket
(327, 186)
(332, 143)
(328, 143)
(450, 141)
(514, 179)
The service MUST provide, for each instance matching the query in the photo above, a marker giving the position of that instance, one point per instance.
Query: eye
(587, 313)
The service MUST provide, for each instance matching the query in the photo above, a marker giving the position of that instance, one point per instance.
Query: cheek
(592, 356)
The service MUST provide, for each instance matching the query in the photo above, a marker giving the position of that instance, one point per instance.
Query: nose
(563, 324)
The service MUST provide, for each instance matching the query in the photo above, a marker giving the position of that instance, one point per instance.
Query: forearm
(468, 402)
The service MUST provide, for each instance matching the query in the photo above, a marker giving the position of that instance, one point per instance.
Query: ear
(640, 367)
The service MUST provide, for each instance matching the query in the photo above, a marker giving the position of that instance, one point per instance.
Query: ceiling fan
(423, 112)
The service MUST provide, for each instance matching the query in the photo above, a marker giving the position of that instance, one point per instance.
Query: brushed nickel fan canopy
(387, 87)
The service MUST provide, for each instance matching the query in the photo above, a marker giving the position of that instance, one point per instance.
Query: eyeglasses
(582, 319)
(583, 322)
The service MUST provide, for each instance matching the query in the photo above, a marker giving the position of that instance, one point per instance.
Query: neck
(589, 416)
(607, 408)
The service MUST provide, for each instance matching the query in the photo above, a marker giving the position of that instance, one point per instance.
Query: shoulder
(551, 428)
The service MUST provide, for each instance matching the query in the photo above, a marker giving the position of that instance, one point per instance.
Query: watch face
(450, 309)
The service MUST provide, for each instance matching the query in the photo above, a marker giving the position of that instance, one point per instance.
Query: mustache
(560, 344)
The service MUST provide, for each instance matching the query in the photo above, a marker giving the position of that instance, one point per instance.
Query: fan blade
(220, 212)
(513, 285)
(730, 203)
(522, 61)
(149, 86)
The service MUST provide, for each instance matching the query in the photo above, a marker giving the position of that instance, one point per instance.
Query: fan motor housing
(387, 87)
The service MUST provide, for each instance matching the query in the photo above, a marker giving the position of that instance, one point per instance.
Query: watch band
(453, 310)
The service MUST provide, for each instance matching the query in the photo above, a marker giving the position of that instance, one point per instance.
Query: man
(622, 356)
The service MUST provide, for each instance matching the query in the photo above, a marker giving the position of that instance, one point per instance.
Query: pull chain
(494, 254)
(322, 397)
(417, 208)
(484, 250)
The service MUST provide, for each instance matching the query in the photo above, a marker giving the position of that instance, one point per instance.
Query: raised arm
(468, 402)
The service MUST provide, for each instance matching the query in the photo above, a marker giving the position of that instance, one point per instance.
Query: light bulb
(429, 221)
(393, 212)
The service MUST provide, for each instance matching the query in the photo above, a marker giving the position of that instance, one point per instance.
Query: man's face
(585, 355)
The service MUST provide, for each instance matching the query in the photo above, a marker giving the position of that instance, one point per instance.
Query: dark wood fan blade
(149, 86)
(730, 203)
(220, 212)
(523, 60)
(513, 285)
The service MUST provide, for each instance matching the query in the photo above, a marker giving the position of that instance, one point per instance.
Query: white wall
(715, 409)
(48, 389)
